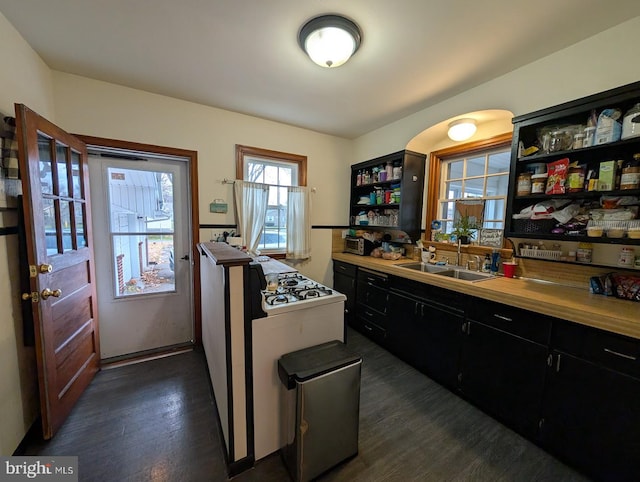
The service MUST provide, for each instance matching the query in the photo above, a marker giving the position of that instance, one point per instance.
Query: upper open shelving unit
(535, 130)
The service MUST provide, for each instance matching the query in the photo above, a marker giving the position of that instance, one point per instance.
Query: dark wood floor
(155, 421)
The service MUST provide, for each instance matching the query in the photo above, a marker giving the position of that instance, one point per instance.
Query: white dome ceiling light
(461, 129)
(330, 40)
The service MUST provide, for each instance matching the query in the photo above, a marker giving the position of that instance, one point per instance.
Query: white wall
(24, 78)
(599, 63)
(90, 107)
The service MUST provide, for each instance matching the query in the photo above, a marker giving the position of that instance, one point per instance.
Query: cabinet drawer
(372, 330)
(434, 295)
(344, 268)
(526, 324)
(617, 352)
(373, 316)
(372, 278)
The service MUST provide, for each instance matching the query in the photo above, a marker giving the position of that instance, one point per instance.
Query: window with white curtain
(279, 170)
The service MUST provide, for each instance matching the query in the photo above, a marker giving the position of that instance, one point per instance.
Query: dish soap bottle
(495, 258)
(486, 266)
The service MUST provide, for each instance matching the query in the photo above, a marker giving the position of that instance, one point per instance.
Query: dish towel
(9, 147)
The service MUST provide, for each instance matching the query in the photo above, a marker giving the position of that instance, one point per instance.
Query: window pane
(254, 171)
(455, 170)
(494, 209)
(497, 185)
(499, 162)
(475, 166)
(143, 264)
(270, 175)
(473, 188)
(453, 190)
(61, 164)
(75, 175)
(140, 201)
(81, 237)
(65, 221)
(285, 176)
(49, 215)
(46, 179)
(447, 210)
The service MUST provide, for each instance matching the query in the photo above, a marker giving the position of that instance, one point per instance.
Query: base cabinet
(372, 298)
(504, 375)
(573, 389)
(344, 281)
(590, 414)
(425, 333)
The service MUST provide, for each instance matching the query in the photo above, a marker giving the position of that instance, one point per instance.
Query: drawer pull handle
(368, 328)
(622, 355)
(502, 317)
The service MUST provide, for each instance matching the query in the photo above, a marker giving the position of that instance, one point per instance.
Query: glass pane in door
(141, 214)
(76, 176)
(61, 165)
(49, 222)
(44, 153)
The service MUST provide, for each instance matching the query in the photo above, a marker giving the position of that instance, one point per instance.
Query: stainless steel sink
(424, 267)
(465, 275)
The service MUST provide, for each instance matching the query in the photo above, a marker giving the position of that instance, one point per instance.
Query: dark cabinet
(372, 295)
(563, 122)
(590, 413)
(388, 203)
(503, 363)
(425, 328)
(344, 281)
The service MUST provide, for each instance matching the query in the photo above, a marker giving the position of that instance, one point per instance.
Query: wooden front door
(57, 216)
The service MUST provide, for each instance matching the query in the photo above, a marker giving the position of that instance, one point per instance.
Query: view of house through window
(481, 175)
(279, 170)
(142, 230)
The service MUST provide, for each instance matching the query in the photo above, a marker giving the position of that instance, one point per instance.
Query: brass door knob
(45, 268)
(47, 292)
(33, 296)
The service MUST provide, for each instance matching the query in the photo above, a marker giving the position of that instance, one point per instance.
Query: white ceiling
(243, 55)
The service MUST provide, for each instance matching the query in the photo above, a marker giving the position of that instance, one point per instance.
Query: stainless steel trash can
(321, 408)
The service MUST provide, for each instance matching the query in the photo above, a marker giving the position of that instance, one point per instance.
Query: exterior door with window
(57, 216)
(143, 238)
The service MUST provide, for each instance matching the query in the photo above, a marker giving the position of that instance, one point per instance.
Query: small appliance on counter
(358, 245)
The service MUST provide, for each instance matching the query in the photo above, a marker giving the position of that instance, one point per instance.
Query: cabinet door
(407, 337)
(347, 286)
(592, 418)
(503, 374)
(443, 339)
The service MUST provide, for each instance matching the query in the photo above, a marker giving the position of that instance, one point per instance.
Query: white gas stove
(295, 292)
(300, 313)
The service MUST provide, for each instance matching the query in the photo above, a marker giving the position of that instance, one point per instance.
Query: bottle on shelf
(359, 178)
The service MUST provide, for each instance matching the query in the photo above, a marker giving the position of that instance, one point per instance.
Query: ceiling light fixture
(330, 40)
(461, 129)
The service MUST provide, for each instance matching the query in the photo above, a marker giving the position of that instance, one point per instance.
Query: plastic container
(575, 178)
(584, 254)
(626, 257)
(524, 184)
(538, 183)
(631, 123)
(630, 178)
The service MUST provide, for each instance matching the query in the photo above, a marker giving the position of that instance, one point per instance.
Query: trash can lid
(302, 365)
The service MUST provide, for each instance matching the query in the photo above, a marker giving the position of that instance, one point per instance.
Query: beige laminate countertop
(573, 304)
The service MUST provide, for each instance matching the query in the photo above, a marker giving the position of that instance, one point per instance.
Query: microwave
(360, 246)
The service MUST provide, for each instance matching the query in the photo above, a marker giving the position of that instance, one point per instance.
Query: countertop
(573, 304)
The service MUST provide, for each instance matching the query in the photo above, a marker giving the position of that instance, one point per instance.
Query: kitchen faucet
(458, 253)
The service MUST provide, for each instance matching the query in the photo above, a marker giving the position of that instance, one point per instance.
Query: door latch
(34, 296)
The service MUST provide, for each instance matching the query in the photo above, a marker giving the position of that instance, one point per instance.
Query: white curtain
(298, 223)
(251, 208)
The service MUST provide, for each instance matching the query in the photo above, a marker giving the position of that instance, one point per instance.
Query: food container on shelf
(631, 123)
(595, 231)
(538, 183)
